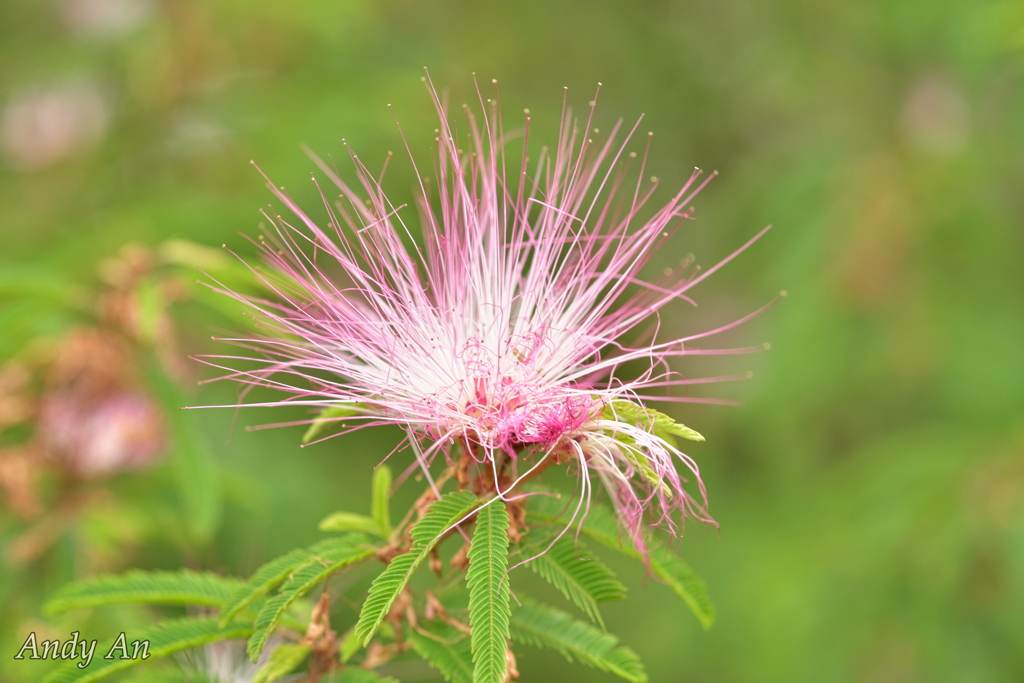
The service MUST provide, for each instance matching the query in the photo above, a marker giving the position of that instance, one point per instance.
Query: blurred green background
(871, 487)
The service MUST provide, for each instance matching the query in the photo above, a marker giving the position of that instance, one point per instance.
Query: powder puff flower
(223, 662)
(499, 332)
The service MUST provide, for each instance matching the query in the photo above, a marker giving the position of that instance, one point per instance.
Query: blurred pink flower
(501, 329)
(106, 18)
(119, 431)
(93, 417)
(47, 124)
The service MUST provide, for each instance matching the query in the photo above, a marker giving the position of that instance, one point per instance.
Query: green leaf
(386, 588)
(543, 626)
(349, 645)
(277, 570)
(446, 649)
(381, 498)
(643, 466)
(658, 423)
(21, 282)
(600, 525)
(351, 674)
(149, 675)
(663, 424)
(327, 558)
(685, 583)
(585, 582)
(285, 659)
(263, 579)
(487, 580)
(194, 462)
(192, 255)
(164, 639)
(441, 516)
(380, 523)
(198, 478)
(170, 676)
(350, 521)
(326, 418)
(149, 309)
(184, 587)
(24, 319)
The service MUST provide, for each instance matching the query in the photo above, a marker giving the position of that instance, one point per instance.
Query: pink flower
(118, 431)
(500, 329)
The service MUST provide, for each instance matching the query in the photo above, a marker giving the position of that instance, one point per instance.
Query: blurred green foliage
(871, 488)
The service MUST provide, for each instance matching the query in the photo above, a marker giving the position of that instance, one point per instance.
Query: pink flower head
(500, 329)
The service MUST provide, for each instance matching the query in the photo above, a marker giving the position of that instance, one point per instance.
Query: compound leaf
(584, 582)
(446, 649)
(386, 588)
(489, 593)
(600, 526)
(379, 503)
(285, 659)
(164, 639)
(543, 626)
(327, 558)
(183, 587)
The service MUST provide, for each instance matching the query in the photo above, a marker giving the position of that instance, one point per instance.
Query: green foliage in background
(870, 488)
